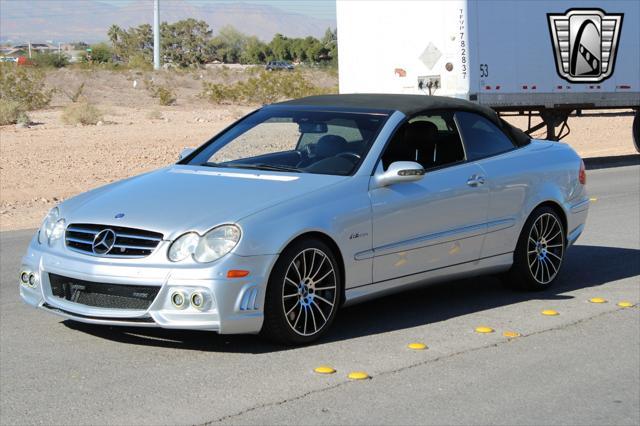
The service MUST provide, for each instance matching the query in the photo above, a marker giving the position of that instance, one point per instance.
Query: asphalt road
(580, 367)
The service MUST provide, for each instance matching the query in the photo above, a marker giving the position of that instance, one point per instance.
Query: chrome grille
(129, 242)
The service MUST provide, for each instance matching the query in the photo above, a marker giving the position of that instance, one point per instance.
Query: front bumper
(233, 305)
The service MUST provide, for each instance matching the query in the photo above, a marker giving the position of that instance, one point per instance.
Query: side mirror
(185, 153)
(399, 172)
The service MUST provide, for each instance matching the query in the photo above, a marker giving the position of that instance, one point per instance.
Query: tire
(636, 130)
(540, 251)
(303, 293)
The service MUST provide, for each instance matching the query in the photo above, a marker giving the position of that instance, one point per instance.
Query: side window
(429, 139)
(481, 137)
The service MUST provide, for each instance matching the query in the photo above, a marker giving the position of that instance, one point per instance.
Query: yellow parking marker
(417, 346)
(593, 199)
(358, 375)
(550, 312)
(597, 300)
(484, 329)
(324, 369)
(511, 334)
(626, 304)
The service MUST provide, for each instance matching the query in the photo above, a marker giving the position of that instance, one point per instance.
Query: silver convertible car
(305, 206)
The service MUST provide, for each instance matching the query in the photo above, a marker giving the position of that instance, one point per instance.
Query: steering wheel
(350, 156)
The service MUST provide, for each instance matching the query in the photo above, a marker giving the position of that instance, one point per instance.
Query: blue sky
(323, 9)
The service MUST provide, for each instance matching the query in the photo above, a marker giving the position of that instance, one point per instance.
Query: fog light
(33, 280)
(24, 277)
(197, 300)
(178, 299)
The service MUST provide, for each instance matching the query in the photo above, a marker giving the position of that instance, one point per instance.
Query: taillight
(582, 174)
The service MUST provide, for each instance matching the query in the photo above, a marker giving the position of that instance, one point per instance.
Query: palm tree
(114, 34)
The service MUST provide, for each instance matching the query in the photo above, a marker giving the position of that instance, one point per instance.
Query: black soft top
(408, 105)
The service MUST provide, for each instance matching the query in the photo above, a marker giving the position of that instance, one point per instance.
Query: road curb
(611, 161)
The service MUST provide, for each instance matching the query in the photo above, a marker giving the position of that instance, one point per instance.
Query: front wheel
(540, 251)
(302, 294)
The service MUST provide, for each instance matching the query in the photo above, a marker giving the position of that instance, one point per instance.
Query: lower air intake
(103, 295)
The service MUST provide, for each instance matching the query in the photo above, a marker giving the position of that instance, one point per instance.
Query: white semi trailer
(546, 59)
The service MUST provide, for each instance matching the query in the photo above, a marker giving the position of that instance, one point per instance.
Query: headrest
(420, 132)
(330, 145)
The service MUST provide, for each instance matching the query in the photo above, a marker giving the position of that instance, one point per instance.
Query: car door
(503, 165)
(432, 223)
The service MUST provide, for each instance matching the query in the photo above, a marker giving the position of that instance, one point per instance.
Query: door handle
(475, 180)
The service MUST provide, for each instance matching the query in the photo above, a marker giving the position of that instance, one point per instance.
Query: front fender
(342, 212)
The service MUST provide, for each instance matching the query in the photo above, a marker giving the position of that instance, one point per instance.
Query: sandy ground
(50, 161)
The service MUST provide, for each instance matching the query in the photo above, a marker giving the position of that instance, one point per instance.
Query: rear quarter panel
(523, 179)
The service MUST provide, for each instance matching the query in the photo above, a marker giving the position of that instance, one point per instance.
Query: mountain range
(82, 20)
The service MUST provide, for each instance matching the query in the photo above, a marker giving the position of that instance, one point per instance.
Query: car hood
(184, 198)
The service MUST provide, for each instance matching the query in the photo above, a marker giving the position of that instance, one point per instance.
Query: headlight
(216, 243)
(213, 245)
(52, 228)
(183, 247)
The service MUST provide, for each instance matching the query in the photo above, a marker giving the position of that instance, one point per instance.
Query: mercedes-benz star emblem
(103, 241)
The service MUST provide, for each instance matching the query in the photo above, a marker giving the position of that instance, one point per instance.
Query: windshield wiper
(210, 164)
(263, 166)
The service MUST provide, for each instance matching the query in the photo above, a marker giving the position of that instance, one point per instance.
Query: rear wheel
(540, 251)
(302, 294)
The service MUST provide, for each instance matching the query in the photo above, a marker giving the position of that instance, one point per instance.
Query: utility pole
(156, 34)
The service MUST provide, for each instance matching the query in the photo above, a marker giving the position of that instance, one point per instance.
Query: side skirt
(487, 265)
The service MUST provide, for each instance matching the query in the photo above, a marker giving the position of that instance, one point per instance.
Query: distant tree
(186, 42)
(280, 47)
(229, 45)
(135, 42)
(114, 33)
(116, 36)
(330, 43)
(255, 52)
(191, 42)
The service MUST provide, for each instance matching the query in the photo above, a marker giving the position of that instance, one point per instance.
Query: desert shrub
(140, 62)
(81, 113)
(263, 88)
(50, 60)
(165, 95)
(11, 113)
(24, 86)
(100, 54)
(221, 93)
(74, 96)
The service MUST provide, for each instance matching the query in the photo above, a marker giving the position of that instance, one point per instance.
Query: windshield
(294, 141)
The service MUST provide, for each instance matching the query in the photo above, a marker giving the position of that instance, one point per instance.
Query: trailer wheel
(636, 130)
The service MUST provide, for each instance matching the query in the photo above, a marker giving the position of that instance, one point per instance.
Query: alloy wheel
(545, 248)
(309, 292)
